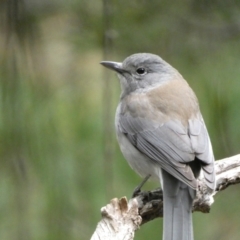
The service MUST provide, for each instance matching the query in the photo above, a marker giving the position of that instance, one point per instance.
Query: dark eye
(141, 71)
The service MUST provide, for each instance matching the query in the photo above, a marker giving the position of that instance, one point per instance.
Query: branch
(120, 218)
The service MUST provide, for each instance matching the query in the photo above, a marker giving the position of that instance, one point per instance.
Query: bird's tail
(177, 211)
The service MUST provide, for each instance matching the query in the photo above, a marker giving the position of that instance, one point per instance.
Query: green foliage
(53, 178)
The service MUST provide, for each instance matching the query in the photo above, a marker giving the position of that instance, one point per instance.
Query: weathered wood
(121, 218)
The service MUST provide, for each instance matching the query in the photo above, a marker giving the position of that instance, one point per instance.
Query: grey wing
(172, 146)
(202, 147)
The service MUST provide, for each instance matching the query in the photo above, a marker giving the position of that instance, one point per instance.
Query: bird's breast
(174, 100)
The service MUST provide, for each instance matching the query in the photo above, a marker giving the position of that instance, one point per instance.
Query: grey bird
(161, 132)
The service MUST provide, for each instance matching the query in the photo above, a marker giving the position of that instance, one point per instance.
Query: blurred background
(60, 162)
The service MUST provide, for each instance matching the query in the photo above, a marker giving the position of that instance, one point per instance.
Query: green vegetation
(53, 178)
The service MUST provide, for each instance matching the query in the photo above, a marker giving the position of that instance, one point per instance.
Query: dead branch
(121, 218)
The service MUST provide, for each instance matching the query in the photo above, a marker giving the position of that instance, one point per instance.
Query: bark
(120, 218)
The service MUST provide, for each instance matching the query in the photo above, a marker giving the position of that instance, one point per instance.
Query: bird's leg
(137, 190)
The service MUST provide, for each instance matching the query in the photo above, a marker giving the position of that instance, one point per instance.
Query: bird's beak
(116, 66)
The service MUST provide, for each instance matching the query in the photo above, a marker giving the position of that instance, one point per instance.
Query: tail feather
(178, 199)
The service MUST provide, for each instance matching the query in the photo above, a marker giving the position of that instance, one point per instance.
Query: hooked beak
(116, 66)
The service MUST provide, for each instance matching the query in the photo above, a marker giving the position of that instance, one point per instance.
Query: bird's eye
(141, 71)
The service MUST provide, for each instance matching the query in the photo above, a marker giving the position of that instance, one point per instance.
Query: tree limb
(121, 218)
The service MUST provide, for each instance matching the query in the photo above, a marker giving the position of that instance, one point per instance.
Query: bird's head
(141, 72)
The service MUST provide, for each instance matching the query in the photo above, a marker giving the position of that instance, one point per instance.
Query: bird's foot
(137, 190)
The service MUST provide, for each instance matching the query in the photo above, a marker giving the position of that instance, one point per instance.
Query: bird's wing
(170, 144)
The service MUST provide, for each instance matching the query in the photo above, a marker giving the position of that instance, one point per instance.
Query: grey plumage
(161, 132)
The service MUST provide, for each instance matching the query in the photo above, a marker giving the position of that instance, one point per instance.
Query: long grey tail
(177, 209)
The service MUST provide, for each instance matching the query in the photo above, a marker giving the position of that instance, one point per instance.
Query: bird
(161, 132)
